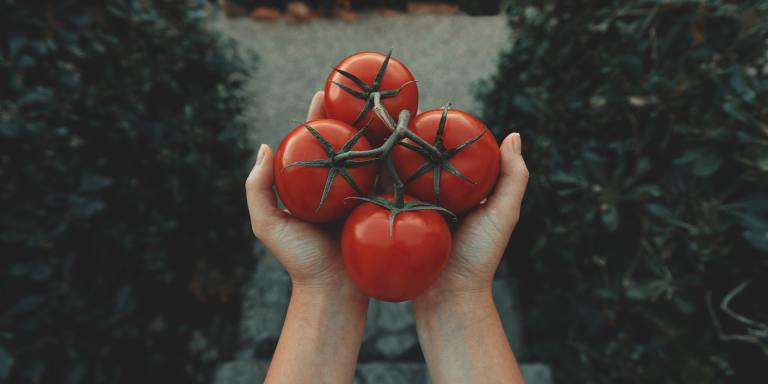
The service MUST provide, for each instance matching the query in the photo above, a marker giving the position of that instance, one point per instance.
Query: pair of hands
(312, 256)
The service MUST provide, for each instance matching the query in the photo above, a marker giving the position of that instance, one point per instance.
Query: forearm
(463, 339)
(321, 336)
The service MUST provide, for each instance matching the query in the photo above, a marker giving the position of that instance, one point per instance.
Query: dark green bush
(645, 125)
(123, 233)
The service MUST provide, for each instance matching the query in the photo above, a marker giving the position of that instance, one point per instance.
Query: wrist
(339, 292)
(464, 327)
(323, 329)
(459, 308)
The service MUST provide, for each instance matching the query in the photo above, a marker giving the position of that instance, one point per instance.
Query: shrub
(645, 125)
(123, 231)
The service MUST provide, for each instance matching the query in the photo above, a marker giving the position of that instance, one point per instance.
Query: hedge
(123, 234)
(643, 246)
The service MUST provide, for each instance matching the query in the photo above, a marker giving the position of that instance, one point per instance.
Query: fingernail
(517, 143)
(509, 143)
(260, 155)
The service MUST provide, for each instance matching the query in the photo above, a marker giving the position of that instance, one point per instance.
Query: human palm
(481, 237)
(310, 253)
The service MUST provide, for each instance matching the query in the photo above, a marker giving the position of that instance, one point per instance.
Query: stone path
(448, 55)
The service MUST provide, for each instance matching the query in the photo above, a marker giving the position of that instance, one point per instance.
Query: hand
(309, 253)
(482, 236)
(325, 320)
(459, 328)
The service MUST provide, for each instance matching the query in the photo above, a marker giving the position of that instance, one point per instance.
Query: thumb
(262, 204)
(507, 197)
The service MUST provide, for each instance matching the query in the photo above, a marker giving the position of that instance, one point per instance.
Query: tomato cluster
(393, 245)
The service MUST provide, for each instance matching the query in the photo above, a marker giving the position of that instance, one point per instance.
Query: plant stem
(402, 127)
(423, 143)
(398, 187)
(376, 152)
(385, 148)
(399, 130)
(382, 113)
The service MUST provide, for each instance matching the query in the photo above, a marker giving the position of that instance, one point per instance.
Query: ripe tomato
(399, 266)
(358, 74)
(301, 187)
(466, 170)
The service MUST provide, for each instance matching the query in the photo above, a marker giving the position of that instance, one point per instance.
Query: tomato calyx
(438, 160)
(397, 206)
(335, 167)
(368, 92)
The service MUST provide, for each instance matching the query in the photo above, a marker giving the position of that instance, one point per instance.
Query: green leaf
(34, 270)
(6, 363)
(75, 373)
(85, 207)
(10, 129)
(757, 238)
(690, 155)
(38, 95)
(26, 304)
(660, 211)
(762, 161)
(707, 164)
(610, 218)
(641, 291)
(33, 371)
(124, 302)
(652, 190)
(737, 112)
(524, 102)
(90, 182)
(606, 294)
(684, 306)
(756, 202)
(642, 166)
(565, 178)
(16, 43)
(26, 61)
(738, 84)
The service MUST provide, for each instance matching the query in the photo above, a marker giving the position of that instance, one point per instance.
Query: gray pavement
(448, 55)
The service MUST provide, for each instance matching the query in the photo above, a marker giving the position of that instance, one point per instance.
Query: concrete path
(448, 55)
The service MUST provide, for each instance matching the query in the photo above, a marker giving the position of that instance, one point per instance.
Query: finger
(262, 204)
(507, 197)
(316, 110)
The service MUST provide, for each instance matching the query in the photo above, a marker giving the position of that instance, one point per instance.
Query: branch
(382, 113)
(742, 319)
(751, 339)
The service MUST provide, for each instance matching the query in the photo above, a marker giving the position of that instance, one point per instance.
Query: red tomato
(300, 187)
(477, 164)
(397, 267)
(342, 105)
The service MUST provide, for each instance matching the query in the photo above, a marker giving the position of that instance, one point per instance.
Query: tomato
(343, 105)
(301, 187)
(466, 170)
(397, 266)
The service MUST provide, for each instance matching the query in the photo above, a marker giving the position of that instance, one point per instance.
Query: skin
(458, 325)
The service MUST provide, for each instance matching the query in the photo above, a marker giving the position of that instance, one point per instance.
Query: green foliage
(645, 127)
(123, 232)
